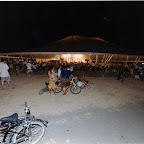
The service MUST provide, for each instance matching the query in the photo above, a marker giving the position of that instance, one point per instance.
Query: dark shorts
(33, 70)
(11, 69)
(65, 82)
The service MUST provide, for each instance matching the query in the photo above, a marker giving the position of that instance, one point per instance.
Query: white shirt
(59, 72)
(29, 65)
(4, 70)
(44, 64)
(71, 68)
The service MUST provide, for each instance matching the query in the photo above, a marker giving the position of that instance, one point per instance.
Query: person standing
(33, 68)
(65, 82)
(10, 68)
(59, 72)
(29, 67)
(4, 74)
(71, 68)
(137, 73)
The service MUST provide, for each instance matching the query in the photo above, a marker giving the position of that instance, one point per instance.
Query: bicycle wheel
(58, 88)
(8, 139)
(23, 135)
(42, 91)
(75, 90)
(89, 87)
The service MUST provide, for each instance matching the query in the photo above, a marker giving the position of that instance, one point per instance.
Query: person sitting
(52, 74)
(65, 82)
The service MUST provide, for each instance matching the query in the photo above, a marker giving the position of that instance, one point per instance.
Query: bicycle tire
(42, 91)
(58, 88)
(89, 87)
(18, 137)
(75, 90)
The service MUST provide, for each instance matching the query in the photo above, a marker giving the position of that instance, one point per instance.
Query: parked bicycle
(74, 88)
(24, 129)
(86, 85)
(58, 88)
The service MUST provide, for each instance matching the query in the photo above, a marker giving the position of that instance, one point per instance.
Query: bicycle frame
(73, 83)
(84, 84)
(10, 128)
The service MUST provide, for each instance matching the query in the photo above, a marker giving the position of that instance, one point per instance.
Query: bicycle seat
(13, 118)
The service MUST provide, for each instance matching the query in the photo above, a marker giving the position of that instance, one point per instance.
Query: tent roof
(76, 43)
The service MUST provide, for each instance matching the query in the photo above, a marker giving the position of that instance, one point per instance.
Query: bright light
(79, 56)
(72, 57)
(142, 63)
(64, 56)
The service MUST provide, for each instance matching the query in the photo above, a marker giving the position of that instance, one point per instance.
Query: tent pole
(103, 58)
(138, 59)
(96, 59)
(127, 59)
(107, 58)
(110, 58)
(89, 58)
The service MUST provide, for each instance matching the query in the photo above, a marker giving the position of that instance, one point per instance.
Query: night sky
(26, 25)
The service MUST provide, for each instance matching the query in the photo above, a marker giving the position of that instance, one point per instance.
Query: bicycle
(16, 129)
(87, 86)
(74, 88)
(58, 88)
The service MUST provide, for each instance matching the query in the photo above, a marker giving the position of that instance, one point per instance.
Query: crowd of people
(31, 67)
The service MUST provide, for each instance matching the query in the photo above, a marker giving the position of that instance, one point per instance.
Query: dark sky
(26, 25)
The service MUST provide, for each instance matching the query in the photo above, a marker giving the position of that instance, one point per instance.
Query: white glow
(64, 56)
(72, 57)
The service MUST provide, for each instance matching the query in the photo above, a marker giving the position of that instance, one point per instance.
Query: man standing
(4, 74)
(29, 67)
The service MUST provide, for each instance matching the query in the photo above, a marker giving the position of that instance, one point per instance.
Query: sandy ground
(111, 113)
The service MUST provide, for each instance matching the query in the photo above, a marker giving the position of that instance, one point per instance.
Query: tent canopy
(76, 43)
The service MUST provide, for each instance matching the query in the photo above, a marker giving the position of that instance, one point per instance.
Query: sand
(107, 93)
(112, 113)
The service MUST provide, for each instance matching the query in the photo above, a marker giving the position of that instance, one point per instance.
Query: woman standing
(52, 79)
